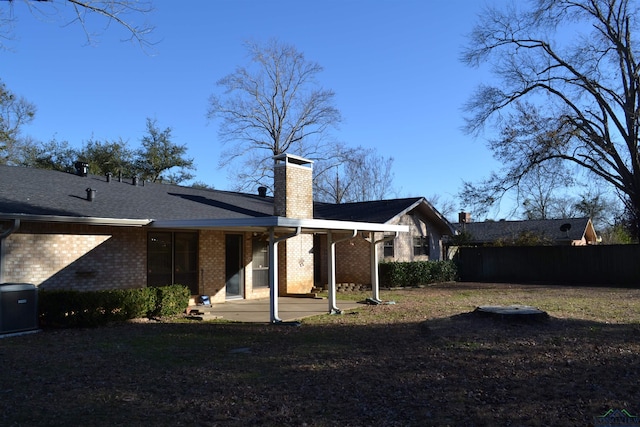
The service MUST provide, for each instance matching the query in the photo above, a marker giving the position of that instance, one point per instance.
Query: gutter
(77, 220)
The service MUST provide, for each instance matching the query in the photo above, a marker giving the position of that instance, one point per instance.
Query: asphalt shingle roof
(378, 211)
(33, 191)
(554, 229)
(42, 192)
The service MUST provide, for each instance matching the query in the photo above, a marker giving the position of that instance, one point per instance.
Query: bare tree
(575, 99)
(543, 192)
(356, 175)
(445, 205)
(274, 105)
(124, 13)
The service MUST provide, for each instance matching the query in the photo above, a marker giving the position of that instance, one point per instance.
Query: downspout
(3, 235)
(333, 309)
(273, 271)
(375, 278)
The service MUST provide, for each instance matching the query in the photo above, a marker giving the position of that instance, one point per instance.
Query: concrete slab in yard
(289, 309)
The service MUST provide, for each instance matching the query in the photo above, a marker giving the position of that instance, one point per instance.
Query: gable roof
(557, 230)
(383, 211)
(45, 195)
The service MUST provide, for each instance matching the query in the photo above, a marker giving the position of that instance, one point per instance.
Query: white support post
(375, 277)
(331, 248)
(273, 271)
(273, 278)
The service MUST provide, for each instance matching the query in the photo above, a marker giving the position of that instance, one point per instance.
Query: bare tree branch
(577, 101)
(124, 13)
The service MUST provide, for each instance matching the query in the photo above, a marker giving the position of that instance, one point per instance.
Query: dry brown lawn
(422, 361)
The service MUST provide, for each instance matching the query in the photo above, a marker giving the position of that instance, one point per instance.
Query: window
(172, 258)
(388, 248)
(421, 245)
(260, 262)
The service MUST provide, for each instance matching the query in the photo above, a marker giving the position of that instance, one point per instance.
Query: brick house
(78, 231)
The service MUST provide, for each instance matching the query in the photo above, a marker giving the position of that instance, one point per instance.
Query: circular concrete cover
(513, 311)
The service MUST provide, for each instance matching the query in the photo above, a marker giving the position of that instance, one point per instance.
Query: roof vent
(82, 168)
(108, 175)
(91, 194)
(262, 191)
(135, 180)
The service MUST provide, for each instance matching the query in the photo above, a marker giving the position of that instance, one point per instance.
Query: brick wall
(296, 265)
(79, 257)
(87, 258)
(211, 255)
(353, 261)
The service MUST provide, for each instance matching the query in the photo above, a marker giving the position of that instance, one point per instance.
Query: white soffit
(307, 225)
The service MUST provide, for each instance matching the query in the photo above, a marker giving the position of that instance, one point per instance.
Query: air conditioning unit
(18, 307)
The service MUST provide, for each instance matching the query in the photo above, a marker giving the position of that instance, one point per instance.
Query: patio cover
(281, 228)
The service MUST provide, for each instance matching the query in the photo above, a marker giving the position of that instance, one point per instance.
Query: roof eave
(121, 222)
(446, 225)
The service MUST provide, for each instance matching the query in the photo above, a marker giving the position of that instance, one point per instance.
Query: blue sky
(393, 64)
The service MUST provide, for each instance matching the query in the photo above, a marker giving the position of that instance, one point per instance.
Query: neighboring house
(78, 231)
(569, 231)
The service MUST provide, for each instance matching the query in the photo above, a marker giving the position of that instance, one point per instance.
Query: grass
(422, 361)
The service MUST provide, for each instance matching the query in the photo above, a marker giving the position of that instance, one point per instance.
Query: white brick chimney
(293, 186)
(293, 198)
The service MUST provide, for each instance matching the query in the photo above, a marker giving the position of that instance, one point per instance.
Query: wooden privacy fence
(592, 265)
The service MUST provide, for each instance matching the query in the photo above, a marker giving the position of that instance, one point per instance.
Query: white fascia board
(121, 222)
(309, 225)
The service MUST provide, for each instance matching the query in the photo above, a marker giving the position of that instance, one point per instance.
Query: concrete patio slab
(289, 309)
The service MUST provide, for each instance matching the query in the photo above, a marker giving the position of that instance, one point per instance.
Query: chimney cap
(292, 159)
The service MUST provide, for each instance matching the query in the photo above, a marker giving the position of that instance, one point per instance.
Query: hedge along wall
(591, 265)
(407, 274)
(65, 309)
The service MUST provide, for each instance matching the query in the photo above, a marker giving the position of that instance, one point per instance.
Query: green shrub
(171, 300)
(407, 274)
(70, 309)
